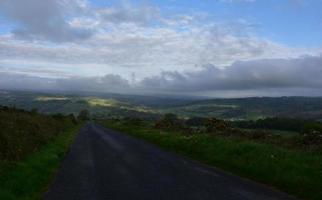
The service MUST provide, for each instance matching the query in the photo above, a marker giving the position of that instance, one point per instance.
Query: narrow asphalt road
(107, 165)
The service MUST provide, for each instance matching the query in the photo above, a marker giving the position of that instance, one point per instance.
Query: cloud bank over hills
(267, 77)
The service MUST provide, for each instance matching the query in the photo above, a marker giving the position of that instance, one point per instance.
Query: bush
(169, 121)
(133, 121)
(213, 124)
(23, 132)
(196, 121)
(83, 115)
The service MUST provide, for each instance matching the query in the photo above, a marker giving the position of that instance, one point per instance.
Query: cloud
(127, 36)
(44, 20)
(267, 74)
(266, 77)
(69, 44)
(107, 83)
(147, 49)
(10, 80)
(126, 13)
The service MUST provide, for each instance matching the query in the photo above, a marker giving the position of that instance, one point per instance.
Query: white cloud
(141, 15)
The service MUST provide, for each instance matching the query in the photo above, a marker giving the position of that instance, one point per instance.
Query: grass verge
(296, 172)
(28, 178)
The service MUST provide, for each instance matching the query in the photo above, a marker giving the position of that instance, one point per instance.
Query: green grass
(286, 134)
(28, 178)
(294, 171)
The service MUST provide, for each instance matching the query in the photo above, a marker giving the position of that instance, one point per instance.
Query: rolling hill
(148, 107)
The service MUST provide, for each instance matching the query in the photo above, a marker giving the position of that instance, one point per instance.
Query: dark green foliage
(83, 115)
(192, 125)
(286, 124)
(195, 121)
(306, 134)
(23, 132)
(169, 121)
(213, 124)
(72, 118)
(252, 108)
(134, 121)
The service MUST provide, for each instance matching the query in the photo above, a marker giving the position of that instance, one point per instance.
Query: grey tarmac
(104, 164)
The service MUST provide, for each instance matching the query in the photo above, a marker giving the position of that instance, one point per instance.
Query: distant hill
(149, 107)
(254, 108)
(100, 107)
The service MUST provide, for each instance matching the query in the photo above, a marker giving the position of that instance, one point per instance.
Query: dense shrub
(214, 124)
(133, 121)
(23, 132)
(196, 121)
(169, 121)
(83, 115)
(285, 124)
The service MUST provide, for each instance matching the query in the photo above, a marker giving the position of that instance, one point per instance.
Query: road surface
(103, 164)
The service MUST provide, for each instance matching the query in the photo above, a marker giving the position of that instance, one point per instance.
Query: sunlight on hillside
(45, 98)
(102, 102)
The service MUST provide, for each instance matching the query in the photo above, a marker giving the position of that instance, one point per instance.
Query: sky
(216, 48)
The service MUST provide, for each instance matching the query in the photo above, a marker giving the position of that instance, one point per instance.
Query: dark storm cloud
(43, 19)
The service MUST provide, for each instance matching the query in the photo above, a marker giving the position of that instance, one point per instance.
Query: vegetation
(251, 142)
(151, 108)
(251, 108)
(289, 164)
(113, 106)
(28, 178)
(83, 115)
(31, 148)
(23, 132)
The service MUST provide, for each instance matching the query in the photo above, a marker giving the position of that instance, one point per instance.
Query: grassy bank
(294, 171)
(29, 177)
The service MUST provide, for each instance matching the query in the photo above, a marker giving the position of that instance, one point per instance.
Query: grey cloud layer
(301, 76)
(303, 72)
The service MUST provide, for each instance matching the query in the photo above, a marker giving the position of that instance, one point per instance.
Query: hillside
(99, 107)
(253, 108)
(150, 108)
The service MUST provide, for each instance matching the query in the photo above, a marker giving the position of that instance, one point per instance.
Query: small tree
(83, 115)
